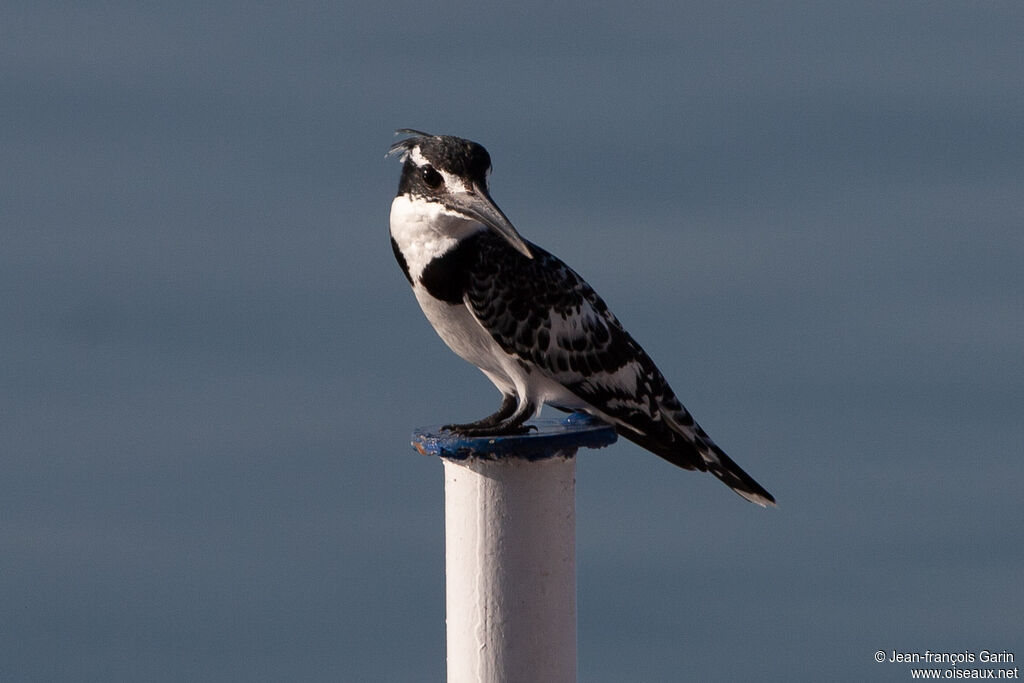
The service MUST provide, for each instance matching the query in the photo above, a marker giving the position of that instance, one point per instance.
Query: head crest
(403, 147)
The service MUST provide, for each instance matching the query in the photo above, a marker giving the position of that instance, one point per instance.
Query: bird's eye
(431, 177)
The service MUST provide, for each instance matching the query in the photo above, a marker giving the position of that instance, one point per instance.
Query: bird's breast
(462, 333)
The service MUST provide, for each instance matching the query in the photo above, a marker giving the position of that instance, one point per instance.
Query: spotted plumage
(526, 319)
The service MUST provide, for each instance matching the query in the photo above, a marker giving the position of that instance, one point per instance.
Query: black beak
(479, 205)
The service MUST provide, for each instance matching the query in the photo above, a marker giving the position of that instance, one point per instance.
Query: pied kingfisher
(527, 320)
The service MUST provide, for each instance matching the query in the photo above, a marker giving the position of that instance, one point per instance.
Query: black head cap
(456, 156)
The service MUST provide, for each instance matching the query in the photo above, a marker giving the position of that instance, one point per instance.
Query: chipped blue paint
(552, 437)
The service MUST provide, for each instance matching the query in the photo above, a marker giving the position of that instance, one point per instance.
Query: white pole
(510, 560)
(510, 548)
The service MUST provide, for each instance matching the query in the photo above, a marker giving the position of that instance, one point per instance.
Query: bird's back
(542, 312)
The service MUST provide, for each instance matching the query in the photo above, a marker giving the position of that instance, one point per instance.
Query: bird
(528, 321)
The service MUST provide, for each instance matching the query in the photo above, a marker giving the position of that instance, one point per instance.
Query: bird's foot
(475, 429)
(465, 427)
(487, 424)
(508, 421)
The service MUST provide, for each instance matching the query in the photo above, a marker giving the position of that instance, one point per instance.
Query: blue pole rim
(551, 438)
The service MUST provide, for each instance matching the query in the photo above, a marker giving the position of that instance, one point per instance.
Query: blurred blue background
(809, 214)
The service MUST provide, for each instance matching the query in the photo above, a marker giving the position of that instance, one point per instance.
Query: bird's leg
(508, 407)
(514, 425)
(506, 422)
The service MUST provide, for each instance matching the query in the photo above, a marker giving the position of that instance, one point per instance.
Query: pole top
(552, 437)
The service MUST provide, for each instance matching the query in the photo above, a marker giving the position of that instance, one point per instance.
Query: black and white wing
(542, 312)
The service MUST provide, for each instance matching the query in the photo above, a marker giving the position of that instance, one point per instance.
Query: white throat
(425, 230)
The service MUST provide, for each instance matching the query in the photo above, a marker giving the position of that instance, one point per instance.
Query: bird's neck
(425, 230)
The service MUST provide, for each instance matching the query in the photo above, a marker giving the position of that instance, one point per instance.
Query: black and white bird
(527, 320)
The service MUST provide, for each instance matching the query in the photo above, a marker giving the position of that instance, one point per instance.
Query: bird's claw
(490, 430)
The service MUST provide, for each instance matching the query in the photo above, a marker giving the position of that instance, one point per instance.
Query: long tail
(709, 456)
(733, 476)
(705, 456)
